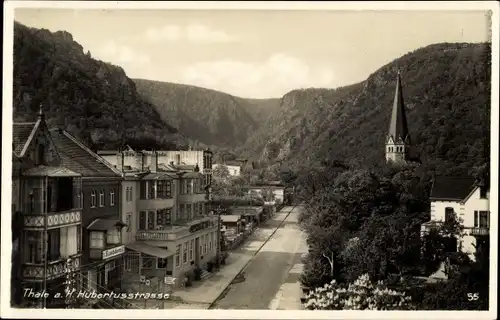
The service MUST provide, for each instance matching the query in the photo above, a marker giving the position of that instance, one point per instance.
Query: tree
(221, 172)
(361, 294)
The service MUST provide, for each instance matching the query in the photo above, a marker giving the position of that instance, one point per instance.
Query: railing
(156, 235)
(480, 231)
(54, 269)
(72, 216)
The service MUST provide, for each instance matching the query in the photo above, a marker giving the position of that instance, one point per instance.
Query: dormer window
(41, 154)
(482, 192)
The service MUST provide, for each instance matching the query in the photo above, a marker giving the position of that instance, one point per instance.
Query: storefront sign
(106, 254)
(200, 226)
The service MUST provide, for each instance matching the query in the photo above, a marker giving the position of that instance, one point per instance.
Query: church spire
(398, 128)
(398, 142)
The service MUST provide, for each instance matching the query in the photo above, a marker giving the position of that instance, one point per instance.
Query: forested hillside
(209, 116)
(446, 88)
(92, 99)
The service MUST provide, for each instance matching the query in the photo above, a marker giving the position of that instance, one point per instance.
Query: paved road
(272, 268)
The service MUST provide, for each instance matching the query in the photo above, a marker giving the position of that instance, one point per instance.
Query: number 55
(472, 296)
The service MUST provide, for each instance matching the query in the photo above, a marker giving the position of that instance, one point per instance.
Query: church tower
(398, 143)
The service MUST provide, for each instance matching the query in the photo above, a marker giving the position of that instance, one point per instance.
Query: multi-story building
(185, 160)
(169, 230)
(233, 167)
(46, 215)
(101, 216)
(463, 199)
(274, 188)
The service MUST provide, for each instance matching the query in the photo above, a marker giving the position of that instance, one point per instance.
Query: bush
(360, 295)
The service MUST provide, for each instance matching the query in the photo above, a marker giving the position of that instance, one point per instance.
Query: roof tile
(457, 188)
(77, 159)
(20, 134)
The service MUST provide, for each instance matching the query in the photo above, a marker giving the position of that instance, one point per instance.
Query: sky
(256, 53)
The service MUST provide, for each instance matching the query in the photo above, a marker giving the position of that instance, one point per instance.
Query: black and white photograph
(250, 160)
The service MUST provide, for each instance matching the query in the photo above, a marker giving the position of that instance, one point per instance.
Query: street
(270, 280)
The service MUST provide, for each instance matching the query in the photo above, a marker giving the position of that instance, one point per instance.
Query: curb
(224, 292)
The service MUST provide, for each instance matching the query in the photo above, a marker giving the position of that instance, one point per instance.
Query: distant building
(234, 167)
(469, 202)
(275, 187)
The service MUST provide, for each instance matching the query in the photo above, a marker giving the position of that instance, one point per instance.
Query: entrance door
(197, 252)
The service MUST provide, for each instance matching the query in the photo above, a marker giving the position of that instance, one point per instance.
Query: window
(160, 217)
(189, 211)
(93, 202)
(128, 195)
(205, 243)
(101, 198)
(191, 245)
(178, 255)
(185, 253)
(178, 158)
(142, 220)
(96, 240)
(142, 189)
(210, 242)
(147, 261)
(164, 189)
(79, 239)
(161, 263)
(189, 186)
(196, 209)
(151, 220)
(481, 219)
(181, 212)
(449, 214)
(128, 221)
(33, 242)
(151, 190)
(482, 192)
(113, 236)
(54, 244)
(112, 197)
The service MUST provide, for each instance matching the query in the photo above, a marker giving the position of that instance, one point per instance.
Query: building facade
(169, 231)
(101, 213)
(467, 201)
(233, 167)
(46, 216)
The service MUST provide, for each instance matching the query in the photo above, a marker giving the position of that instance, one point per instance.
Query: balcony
(55, 269)
(179, 229)
(54, 219)
(479, 231)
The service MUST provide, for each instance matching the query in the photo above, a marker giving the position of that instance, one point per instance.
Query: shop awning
(105, 224)
(45, 171)
(150, 250)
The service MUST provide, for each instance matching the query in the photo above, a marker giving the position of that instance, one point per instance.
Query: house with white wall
(468, 200)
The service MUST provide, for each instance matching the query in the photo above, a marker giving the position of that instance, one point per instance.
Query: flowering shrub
(362, 294)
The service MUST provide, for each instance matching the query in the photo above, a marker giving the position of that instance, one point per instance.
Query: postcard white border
(9, 6)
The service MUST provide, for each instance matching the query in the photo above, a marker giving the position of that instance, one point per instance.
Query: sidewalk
(203, 293)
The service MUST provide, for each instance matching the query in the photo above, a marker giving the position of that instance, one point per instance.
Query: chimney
(120, 160)
(41, 115)
(153, 167)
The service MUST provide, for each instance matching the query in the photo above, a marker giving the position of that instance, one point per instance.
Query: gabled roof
(398, 128)
(22, 133)
(78, 158)
(46, 171)
(451, 188)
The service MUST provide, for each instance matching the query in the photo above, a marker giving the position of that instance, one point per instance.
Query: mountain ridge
(92, 99)
(440, 82)
(210, 116)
